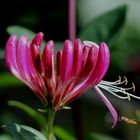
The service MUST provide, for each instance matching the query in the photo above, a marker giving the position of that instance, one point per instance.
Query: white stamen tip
(90, 44)
(126, 81)
(133, 85)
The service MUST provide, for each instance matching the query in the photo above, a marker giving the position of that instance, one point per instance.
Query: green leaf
(37, 116)
(62, 134)
(22, 132)
(5, 137)
(8, 80)
(95, 136)
(37, 133)
(1, 54)
(19, 31)
(105, 27)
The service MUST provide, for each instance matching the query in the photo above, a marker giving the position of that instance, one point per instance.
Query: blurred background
(113, 21)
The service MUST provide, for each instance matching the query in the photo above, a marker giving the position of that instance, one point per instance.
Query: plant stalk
(72, 36)
(51, 115)
(72, 19)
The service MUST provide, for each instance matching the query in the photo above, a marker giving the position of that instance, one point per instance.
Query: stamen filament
(106, 88)
(118, 82)
(119, 88)
(115, 88)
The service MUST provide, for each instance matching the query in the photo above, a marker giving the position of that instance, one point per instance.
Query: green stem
(51, 115)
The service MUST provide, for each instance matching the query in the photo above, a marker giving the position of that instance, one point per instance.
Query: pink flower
(58, 81)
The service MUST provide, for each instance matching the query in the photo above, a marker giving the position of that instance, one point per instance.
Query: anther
(120, 79)
(126, 81)
(128, 96)
(133, 86)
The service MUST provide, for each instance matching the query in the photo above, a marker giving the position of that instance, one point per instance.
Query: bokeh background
(113, 21)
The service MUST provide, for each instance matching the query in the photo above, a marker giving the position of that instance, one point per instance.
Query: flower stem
(51, 115)
(72, 36)
(72, 19)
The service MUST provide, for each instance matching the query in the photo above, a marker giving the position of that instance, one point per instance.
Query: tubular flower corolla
(59, 80)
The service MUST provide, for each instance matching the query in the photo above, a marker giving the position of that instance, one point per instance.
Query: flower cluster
(77, 67)
(59, 80)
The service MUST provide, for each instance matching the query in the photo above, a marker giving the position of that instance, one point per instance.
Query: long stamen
(107, 89)
(115, 88)
(118, 82)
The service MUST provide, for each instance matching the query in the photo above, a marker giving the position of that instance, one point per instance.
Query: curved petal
(22, 58)
(57, 96)
(37, 40)
(35, 49)
(10, 55)
(103, 62)
(101, 67)
(90, 63)
(85, 56)
(27, 69)
(48, 60)
(90, 56)
(48, 66)
(108, 104)
(99, 70)
(67, 61)
(78, 57)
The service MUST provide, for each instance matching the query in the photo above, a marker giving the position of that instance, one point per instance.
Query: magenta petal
(90, 64)
(37, 40)
(35, 48)
(78, 57)
(103, 62)
(22, 58)
(10, 55)
(48, 60)
(67, 61)
(27, 69)
(101, 67)
(58, 91)
(84, 63)
(108, 104)
(59, 64)
(90, 56)
(24, 61)
(48, 64)
(85, 56)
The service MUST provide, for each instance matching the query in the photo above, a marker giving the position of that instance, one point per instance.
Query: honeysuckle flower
(58, 81)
